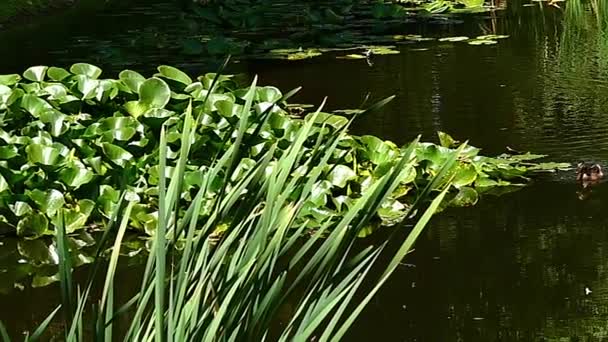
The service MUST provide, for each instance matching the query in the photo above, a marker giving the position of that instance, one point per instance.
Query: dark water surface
(528, 266)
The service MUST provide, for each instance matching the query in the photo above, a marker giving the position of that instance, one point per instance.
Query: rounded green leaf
(268, 94)
(43, 154)
(340, 175)
(8, 152)
(9, 80)
(117, 154)
(174, 74)
(76, 175)
(454, 39)
(34, 105)
(135, 108)
(56, 120)
(32, 226)
(35, 74)
(57, 74)
(465, 175)
(132, 79)
(86, 69)
(49, 201)
(482, 42)
(466, 196)
(21, 208)
(56, 90)
(154, 93)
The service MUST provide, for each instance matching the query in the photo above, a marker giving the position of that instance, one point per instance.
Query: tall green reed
(233, 286)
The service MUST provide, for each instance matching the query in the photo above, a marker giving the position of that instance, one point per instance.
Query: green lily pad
(32, 226)
(43, 154)
(36, 73)
(9, 80)
(154, 93)
(86, 69)
(454, 39)
(466, 196)
(340, 175)
(482, 42)
(132, 79)
(58, 74)
(174, 74)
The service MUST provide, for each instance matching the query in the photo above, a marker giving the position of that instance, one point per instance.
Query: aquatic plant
(235, 286)
(72, 141)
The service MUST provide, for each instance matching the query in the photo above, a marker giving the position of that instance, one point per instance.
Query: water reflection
(512, 268)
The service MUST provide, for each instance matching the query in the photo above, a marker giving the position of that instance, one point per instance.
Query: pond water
(530, 265)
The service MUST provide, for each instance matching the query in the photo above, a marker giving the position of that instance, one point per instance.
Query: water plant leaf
(472, 3)
(21, 208)
(35, 73)
(32, 226)
(154, 93)
(43, 280)
(132, 79)
(482, 42)
(117, 154)
(58, 74)
(492, 37)
(35, 105)
(48, 202)
(175, 74)
(446, 140)
(466, 196)
(465, 174)
(75, 175)
(340, 175)
(454, 39)
(9, 80)
(86, 69)
(43, 154)
(8, 152)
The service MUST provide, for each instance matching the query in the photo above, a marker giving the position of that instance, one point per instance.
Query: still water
(527, 266)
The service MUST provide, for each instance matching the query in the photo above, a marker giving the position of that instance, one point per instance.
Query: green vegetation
(72, 141)
(235, 287)
(297, 30)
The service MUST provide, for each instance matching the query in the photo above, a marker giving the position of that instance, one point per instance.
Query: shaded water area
(530, 265)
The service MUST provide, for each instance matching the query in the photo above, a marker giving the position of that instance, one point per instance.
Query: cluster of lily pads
(300, 30)
(72, 141)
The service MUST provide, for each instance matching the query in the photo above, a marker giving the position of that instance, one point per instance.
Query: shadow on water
(515, 267)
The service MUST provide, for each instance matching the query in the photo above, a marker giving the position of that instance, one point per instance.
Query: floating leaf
(49, 201)
(454, 39)
(42, 280)
(89, 70)
(154, 93)
(174, 74)
(482, 42)
(9, 80)
(58, 74)
(117, 154)
(21, 208)
(43, 154)
(32, 226)
(492, 37)
(132, 79)
(446, 140)
(340, 175)
(35, 105)
(35, 74)
(8, 152)
(466, 174)
(465, 197)
(76, 175)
